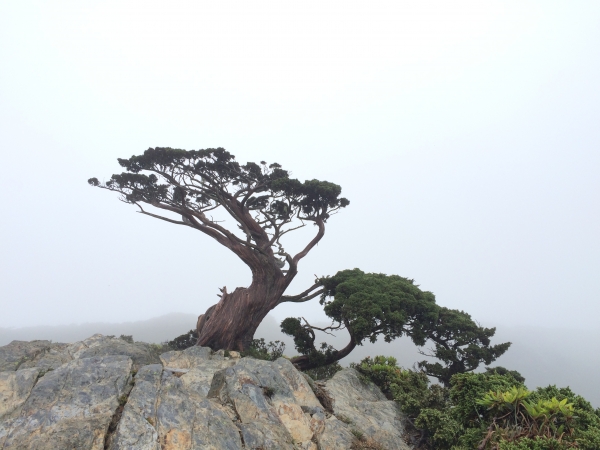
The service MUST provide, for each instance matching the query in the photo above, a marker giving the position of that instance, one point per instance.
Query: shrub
(184, 341)
(260, 349)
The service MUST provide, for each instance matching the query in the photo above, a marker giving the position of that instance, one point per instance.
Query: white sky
(465, 134)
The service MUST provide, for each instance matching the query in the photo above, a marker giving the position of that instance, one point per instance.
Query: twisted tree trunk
(232, 322)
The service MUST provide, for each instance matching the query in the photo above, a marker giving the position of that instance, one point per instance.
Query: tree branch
(301, 297)
(312, 243)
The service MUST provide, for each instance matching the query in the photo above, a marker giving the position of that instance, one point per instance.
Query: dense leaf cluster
(263, 199)
(460, 344)
(184, 341)
(486, 411)
(371, 306)
(268, 351)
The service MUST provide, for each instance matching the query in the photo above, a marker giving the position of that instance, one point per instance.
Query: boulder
(70, 407)
(88, 395)
(98, 345)
(365, 409)
(15, 354)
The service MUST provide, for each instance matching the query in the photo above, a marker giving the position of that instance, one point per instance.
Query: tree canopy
(264, 201)
(371, 305)
(459, 343)
(247, 208)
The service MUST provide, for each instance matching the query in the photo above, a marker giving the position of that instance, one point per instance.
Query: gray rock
(15, 387)
(48, 355)
(263, 434)
(366, 409)
(185, 420)
(99, 345)
(186, 359)
(13, 355)
(51, 358)
(336, 436)
(14, 390)
(136, 429)
(195, 399)
(167, 408)
(270, 414)
(71, 407)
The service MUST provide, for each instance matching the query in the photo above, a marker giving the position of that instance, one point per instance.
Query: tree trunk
(231, 323)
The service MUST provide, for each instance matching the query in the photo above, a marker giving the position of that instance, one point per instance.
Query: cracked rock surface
(88, 395)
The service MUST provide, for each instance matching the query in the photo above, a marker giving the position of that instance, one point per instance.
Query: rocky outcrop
(105, 393)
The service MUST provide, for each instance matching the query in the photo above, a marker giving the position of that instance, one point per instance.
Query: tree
(371, 305)
(367, 305)
(460, 344)
(187, 188)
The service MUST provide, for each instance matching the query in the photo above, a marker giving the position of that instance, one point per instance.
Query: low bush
(486, 411)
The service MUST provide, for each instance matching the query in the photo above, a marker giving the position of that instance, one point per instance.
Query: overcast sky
(465, 134)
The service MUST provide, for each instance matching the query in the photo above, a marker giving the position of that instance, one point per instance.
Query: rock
(14, 389)
(336, 435)
(48, 355)
(72, 406)
(268, 406)
(13, 355)
(136, 429)
(98, 345)
(167, 408)
(184, 421)
(52, 358)
(364, 408)
(76, 396)
(187, 358)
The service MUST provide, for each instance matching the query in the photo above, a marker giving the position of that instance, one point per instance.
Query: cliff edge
(106, 393)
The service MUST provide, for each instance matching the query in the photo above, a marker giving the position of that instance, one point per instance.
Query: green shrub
(260, 349)
(184, 341)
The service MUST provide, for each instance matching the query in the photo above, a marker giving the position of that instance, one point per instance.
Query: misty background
(465, 135)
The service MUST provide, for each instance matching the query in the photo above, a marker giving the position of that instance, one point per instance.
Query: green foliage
(440, 427)
(192, 181)
(468, 388)
(126, 338)
(427, 406)
(260, 349)
(371, 305)
(499, 370)
(488, 410)
(460, 345)
(184, 341)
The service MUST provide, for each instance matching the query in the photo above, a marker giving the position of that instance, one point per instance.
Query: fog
(464, 134)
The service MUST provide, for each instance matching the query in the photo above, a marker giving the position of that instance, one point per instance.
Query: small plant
(126, 338)
(259, 349)
(269, 392)
(123, 399)
(358, 434)
(43, 372)
(344, 419)
(184, 341)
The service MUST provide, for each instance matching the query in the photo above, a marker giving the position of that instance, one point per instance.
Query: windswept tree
(263, 203)
(459, 343)
(371, 306)
(367, 306)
